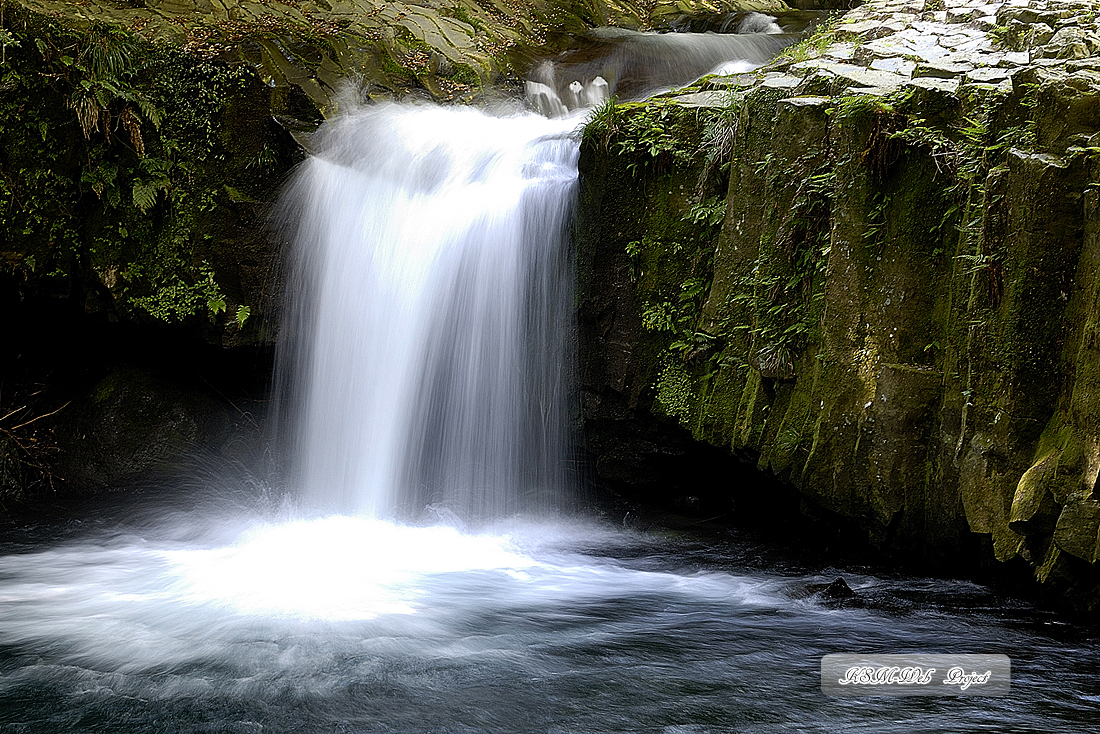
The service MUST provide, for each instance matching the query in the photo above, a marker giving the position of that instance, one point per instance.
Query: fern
(145, 195)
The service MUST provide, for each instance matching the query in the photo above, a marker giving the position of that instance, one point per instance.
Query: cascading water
(429, 352)
(427, 359)
(428, 344)
(632, 65)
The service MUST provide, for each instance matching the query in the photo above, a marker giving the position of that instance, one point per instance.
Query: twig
(247, 416)
(9, 415)
(47, 415)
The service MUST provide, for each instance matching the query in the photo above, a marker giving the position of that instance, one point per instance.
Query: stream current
(429, 572)
(223, 620)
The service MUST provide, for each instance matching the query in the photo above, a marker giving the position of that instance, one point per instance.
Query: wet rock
(134, 425)
(1078, 528)
(895, 65)
(868, 30)
(988, 74)
(835, 594)
(1069, 43)
(941, 70)
(838, 589)
(910, 43)
(937, 84)
(1034, 510)
(781, 81)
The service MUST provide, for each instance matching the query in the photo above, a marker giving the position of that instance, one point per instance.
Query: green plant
(106, 62)
(95, 179)
(674, 389)
(812, 45)
(710, 211)
(603, 124)
(642, 133)
(174, 299)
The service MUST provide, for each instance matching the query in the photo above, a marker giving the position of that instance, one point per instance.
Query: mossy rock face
(900, 312)
(448, 50)
(136, 178)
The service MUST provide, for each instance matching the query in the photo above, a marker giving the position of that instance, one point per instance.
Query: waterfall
(426, 351)
(427, 342)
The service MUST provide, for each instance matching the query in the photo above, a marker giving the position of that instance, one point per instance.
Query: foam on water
(142, 602)
(328, 622)
(631, 65)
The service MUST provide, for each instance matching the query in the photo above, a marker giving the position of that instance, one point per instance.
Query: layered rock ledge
(889, 305)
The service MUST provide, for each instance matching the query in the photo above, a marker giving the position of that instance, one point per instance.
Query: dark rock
(134, 425)
(835, 594)
(838, 589)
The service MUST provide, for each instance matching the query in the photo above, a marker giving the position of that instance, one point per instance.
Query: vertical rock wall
(899, 306)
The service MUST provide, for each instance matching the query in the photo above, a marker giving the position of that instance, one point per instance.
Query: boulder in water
(835, 594)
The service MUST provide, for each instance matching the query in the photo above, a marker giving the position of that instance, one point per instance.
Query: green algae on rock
(898, 320)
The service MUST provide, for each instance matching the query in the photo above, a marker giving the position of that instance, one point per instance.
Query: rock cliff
(870, 268)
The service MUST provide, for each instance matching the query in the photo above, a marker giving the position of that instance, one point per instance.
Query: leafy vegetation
(781, 294)
(652, 133)
(114, 164)
(813, 45)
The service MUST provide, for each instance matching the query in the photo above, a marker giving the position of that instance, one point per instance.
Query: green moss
(674, 389)
(813, 45)
(465, 74)
(116, 158)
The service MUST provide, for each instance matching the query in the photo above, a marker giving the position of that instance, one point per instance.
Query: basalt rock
(891, 306)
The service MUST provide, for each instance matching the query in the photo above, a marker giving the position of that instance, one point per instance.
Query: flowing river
(227, 620)
(431, 568)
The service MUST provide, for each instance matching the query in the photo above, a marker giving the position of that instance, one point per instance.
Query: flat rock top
(935, 44)
(960, 41)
